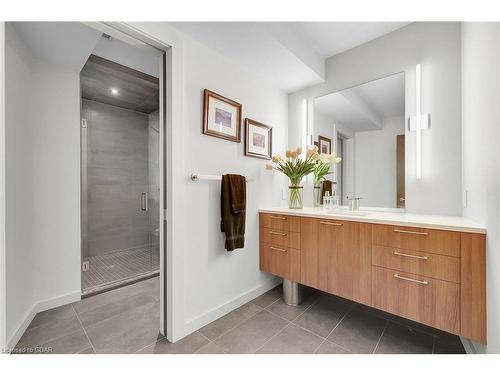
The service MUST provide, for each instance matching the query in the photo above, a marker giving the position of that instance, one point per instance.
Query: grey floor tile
(229, 321)
(75, 342)
(269, 297)
(252, 334)
(358, 332)
(329, 347)
(399, 339)
(187, 345)
(149, 287)
(48, 316)
(127, 332)
(292, 340)
(87, 351)
(322, 316)
(211, 348)
(49, 331)
(100, 313)
(290, 313)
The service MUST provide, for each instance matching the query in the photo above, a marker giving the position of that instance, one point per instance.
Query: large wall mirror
(365, 125)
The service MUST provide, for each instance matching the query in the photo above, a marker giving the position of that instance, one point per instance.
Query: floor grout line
(272, 337)
(201, 333)
(154, 342)
(381, 335)
(333, 329)
(236, 326)
(83, 328)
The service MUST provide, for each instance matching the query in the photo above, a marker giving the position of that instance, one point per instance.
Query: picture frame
(221, 117)
(258, 139)
(324, 145)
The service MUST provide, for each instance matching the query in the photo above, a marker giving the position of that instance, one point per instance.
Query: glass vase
(295, 196)
(317, 194)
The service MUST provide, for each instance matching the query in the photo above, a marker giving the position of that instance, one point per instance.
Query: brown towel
(233, 210)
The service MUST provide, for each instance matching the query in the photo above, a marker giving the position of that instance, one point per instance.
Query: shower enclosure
(120, 175)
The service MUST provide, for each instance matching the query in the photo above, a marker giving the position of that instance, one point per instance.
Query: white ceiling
(363, 108)
(68, 45)
(290, 55)
(258, 47)
(332, 38)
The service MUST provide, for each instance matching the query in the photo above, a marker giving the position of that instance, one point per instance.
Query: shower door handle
(144, 202)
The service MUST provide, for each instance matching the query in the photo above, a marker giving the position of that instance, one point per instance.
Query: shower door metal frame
(126, 32)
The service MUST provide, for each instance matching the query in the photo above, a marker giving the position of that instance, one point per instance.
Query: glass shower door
(120, 196)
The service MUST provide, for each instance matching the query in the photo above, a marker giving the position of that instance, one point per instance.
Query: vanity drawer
(417, 262)
(280, 238)
(418, 239)
(280, 222)
(280, 261)
(423, 299)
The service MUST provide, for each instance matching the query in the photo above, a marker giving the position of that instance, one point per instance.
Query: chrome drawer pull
(277, 233)
(425, 282)
(278, 217)
(329, 223)
(277, 249)
(411, 256)
(411, 232)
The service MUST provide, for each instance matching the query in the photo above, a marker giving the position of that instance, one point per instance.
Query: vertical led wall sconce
(418, 122)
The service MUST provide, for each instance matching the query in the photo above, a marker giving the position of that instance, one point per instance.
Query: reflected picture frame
(221, 117)
(324, 145)
(258, 139)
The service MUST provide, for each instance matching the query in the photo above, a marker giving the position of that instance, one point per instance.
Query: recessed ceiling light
(114, 91)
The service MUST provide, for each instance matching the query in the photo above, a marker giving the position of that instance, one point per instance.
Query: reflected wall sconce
(418, 122)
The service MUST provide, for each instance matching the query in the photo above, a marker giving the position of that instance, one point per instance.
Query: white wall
(43, 185)
(207, 281)
(56, 181)
(481, 158)
(375, 164)
(212, 276)
(436, 46)
(20, 277)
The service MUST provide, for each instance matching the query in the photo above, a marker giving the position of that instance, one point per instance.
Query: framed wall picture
(325, 145)
(221, 117)
(258, 139)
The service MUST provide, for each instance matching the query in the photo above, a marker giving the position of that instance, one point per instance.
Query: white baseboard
(221, 310)
(39, 307)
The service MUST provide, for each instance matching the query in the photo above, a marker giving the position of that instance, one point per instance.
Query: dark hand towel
(233, 210)
(327, 186)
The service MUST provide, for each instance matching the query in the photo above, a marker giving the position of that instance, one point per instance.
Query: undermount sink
(348, 213)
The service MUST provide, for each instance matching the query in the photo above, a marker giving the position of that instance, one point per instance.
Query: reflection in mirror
(365, 126)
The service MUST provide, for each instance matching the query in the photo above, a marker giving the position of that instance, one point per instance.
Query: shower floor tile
(118, 267)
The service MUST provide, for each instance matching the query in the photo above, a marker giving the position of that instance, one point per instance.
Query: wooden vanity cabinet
(336, 257)
(280, 246)
(435, 277)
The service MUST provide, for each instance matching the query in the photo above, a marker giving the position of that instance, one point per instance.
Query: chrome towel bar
(196, 177)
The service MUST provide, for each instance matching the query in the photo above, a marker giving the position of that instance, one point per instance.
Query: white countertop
(453, 223)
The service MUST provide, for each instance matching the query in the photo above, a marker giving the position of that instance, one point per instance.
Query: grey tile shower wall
(117, 173)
